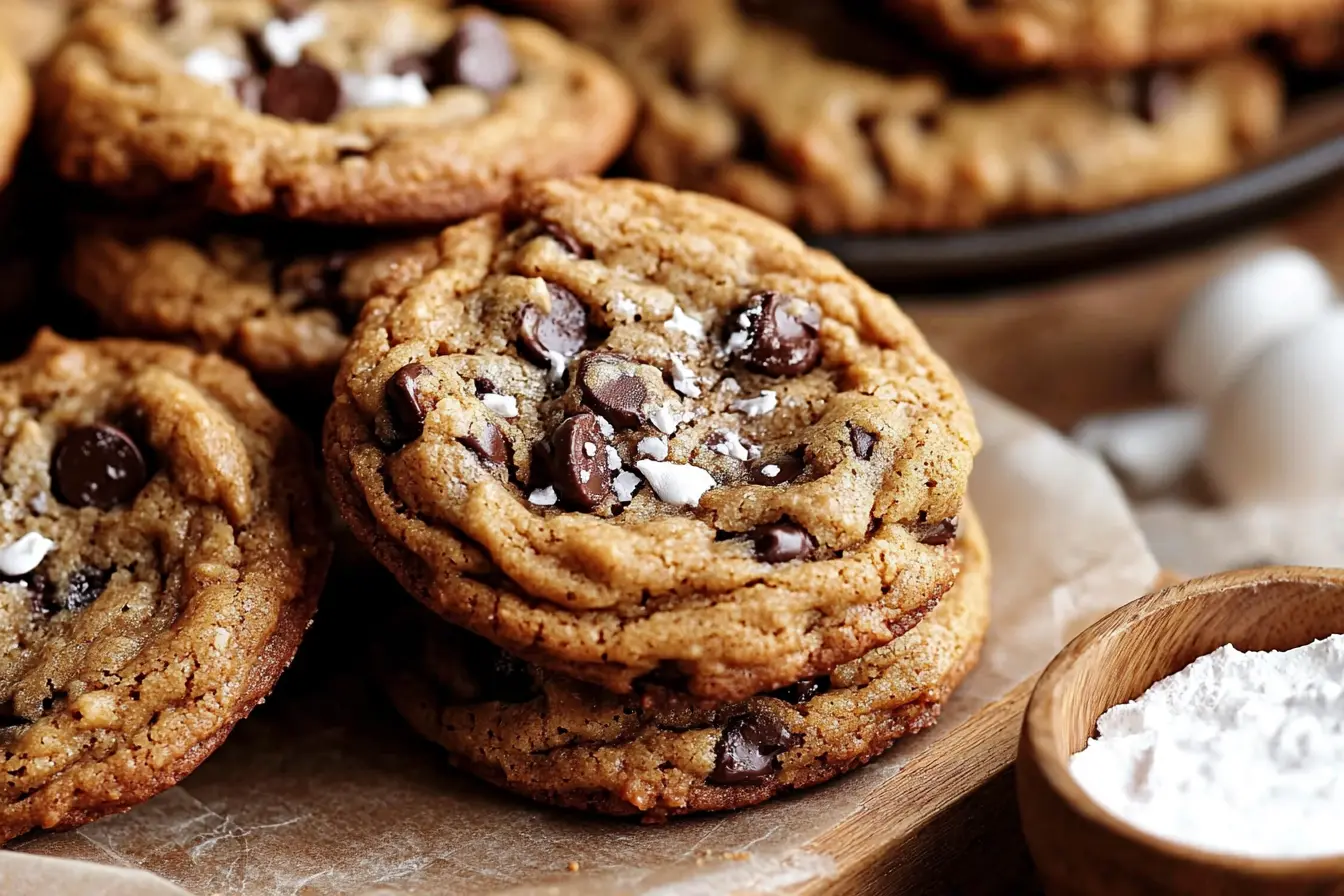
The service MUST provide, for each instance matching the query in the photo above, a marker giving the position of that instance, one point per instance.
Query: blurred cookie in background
(1318, 49)
(32, 28)
(774, 111)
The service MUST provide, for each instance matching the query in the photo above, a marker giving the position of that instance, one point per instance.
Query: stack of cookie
(867, 116)
(691, 495)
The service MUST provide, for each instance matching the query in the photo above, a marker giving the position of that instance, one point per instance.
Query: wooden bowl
(1078, 846)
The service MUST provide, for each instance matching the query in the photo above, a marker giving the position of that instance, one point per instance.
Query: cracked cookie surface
(563, 742)
(622, 430)
(390, 112)
(815, 117)
(162, 546)
(279, 303)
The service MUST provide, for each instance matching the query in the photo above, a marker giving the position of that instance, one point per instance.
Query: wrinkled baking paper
(324, 791)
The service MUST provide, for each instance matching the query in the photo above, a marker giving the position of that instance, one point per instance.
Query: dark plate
(1309, 152)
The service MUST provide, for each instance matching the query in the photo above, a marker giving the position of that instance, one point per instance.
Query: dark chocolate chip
(789, 467)
(323, 286)
(563, 331)
(803, 691)
(568, 240)
(862, 442)
(477, 55)
(167, 10)
(304, 91)
(579, 463)
(490, 446)
(485, 386)
(940, 533)
(500, 677)
(98, 466)
(82, 588)
(404, 401)
(289, 10)
(782, 334)
(539, 466)
(610, 389)
(1156, 94)
(782, 542)
(257, 54)
(748, 749)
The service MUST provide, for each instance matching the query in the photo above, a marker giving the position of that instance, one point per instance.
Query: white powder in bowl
(1237, 753)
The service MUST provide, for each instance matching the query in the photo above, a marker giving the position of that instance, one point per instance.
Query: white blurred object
(1277, 433)
(1238, 314)
(1196, 541)
(1151, 450)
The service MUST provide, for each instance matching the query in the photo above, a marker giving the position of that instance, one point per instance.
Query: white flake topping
(214, 67)
(590, 449)
(764, 403)
(729, 386)
(607, 429)
(730, 444)
(679, 484)
(666, 418)
(770, 471)
(23, 556)
(584, 476)
(683, 378)
(504, 405)
(740, 338)
(654, 447)
(384, 90)
(625, 484)
(685, 323)
(284, 41)
(623, 307)
(559, 364)
(542, 497)
(613, 459)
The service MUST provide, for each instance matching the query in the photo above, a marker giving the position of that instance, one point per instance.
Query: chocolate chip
(940, 533)
(611, 390)
(257, 54)
(323, 286)
(579, 463)
(98, 466)
(167, 10)
(412, 64)
(781, 333)
(500, 677)
(570, 242)
(82, 588)
(490, 446)
(1156, 94)
(289, 10)
(749, 749)
(404, 401)
(477, 55)
(485, 386)
(803, 691)
(862, 441)
(785, 469)
(304, 91)
(782, 542)
(561, 332)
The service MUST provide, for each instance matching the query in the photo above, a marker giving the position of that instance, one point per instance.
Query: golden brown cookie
(16, 107)
(814, 120)
(385, 112)
(161, 554)
(32, 28)
(563, 742)
(622, 430)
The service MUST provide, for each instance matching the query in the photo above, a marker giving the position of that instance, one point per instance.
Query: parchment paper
(324, 791)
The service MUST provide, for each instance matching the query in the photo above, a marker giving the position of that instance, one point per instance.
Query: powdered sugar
(1238, 753)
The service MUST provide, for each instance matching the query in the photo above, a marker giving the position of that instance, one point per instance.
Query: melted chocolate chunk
(98, 466)
(749, 748)
(781, 334)
(786, 469)
(570, 242)
(323, 287)
(862, 441)
(167, 10)
(490, 446)
(1156, 94)
(562, 332)
(579, 463)
(82, 588)
(304, 91)
(500, 677)
(940, 533)
(404, 402)
(477, 55)
(610, 389)
(781, 542)
(803, 691)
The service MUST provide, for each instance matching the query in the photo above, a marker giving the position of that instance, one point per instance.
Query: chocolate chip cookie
(385, 112)
(829, 125)
(161, 552)
(16, 106)
(33, 27)
(280, 303)
(562, 742)
(625, 431)
(1104, 33)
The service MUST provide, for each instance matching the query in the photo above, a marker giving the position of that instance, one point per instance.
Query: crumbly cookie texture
(16, 107)
(385, 112)
(1105, 33)
(161, 553)
(621, 427)
(562, 742)
(779, 118)
(32, 28)
(279, 304)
